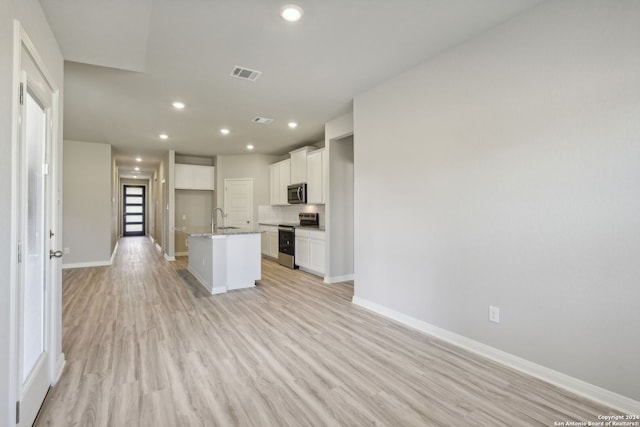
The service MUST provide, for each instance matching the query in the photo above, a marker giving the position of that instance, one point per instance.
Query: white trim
(214, 291)
(337, 279)
(86, 264)
(314, 272)
(169, 258)
(60, 364)
(182, 253)
(12, 332)
(113, 255)
(158, 248)
(574, 385)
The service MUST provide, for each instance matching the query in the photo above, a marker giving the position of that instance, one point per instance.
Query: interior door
(34, 235)
(238, 202)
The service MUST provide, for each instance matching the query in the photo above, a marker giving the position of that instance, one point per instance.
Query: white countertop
(204, 232)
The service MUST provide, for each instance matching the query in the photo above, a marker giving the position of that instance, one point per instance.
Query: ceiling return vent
(245, 73)
(262, 120)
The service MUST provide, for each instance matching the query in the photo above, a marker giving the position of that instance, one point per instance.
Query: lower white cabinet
(310, 249)
(269, 244)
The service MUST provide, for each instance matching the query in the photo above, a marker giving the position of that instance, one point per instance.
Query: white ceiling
(127, 61)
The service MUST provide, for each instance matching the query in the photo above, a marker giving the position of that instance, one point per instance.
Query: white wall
(340, 195)
(30, 15)
(508, 168)
(87, 204)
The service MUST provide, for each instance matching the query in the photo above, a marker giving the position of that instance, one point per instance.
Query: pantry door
(238, 202)
(36, 256)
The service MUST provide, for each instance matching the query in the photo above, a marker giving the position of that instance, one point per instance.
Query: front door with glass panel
(134, 210)
(36, 117)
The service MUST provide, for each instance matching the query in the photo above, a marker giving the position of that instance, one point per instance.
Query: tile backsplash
(286, 214)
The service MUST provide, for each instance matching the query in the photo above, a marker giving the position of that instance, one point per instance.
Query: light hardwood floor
(147, 346)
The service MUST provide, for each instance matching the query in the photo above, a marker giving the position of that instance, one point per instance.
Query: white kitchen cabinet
(315, 177)
(310, 251)
(269, 243)
(316, 252)
(302, 249)
(193, 177)
(299, 165)
(280, 178)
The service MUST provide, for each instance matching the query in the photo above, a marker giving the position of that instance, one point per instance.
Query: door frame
(53, 295)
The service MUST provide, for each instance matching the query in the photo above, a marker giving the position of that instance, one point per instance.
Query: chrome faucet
(214, 218)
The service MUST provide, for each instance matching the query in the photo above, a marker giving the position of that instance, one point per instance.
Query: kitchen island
(226, 259)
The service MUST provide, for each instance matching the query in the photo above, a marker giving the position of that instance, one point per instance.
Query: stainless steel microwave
(297, 193)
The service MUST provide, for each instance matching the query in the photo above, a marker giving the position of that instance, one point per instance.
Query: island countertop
(220, 231)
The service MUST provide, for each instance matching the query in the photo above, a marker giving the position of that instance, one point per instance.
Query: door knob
(57, 254)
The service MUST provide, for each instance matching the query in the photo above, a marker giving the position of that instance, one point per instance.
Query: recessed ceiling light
(178, 105)
(138, 159)
(291, 12)
(163, 136)
(249, 147)
(137, 168)
(293, 125)
(224, 131)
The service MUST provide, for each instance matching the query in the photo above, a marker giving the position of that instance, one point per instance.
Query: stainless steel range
(287, 238)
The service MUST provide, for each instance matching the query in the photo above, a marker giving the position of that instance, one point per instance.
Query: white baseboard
(182, 253)
(315, 273)
(201, 281)
(169, 258)
(60, 364)
(113, 255)
(151, 238)
(590, 391)
(158, 248)
(337, 279)
(86, 264)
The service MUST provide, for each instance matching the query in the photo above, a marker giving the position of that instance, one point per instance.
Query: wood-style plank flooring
(147, 346)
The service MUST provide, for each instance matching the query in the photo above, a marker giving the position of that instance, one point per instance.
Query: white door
(34, 235)
(238, 202)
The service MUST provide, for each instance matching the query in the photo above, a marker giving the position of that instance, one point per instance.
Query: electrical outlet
(67, 250)
(494, 314)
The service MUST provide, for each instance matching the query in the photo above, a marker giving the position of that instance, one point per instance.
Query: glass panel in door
(34, 245)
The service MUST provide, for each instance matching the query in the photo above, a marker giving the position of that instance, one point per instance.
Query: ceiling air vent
(262, 120)
(245, 73)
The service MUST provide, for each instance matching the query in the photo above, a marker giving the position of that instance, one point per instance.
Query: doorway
(36, 261)
(134, 210)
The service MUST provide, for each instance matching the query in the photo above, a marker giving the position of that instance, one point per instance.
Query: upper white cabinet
(193, 177)
(299, 165)
(315, 177)
(280, 174)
